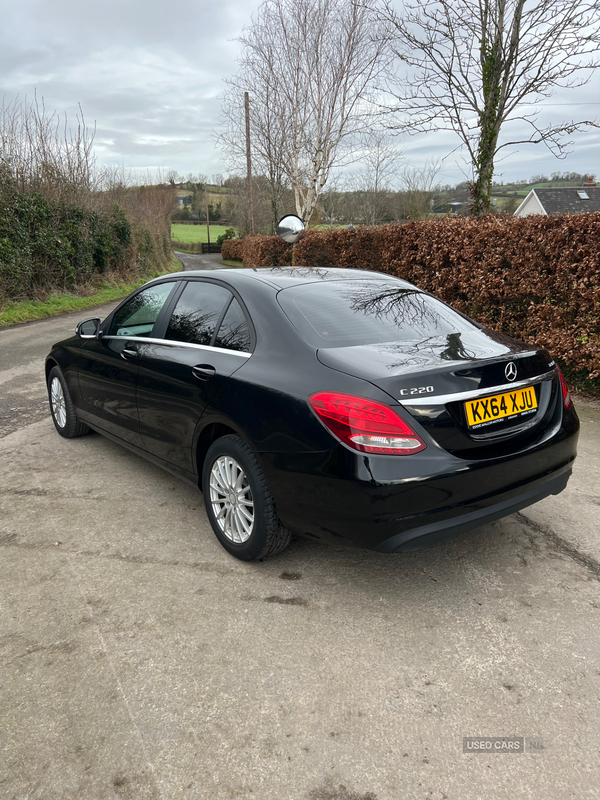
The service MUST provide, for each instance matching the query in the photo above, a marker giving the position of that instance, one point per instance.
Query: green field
(523, 191)
(196, 233)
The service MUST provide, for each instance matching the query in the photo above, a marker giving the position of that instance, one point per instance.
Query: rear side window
(197, 313)
(234, 331)
(351, 313)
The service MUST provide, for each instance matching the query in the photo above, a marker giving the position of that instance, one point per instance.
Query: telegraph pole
(249, 163)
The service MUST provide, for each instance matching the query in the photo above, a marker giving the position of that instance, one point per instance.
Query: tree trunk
(482, 188)
(491, 73)
(274, 212)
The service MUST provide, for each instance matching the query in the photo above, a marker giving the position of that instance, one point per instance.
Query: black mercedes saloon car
(335, 403)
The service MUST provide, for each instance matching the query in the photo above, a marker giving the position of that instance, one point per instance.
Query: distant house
(563, 200)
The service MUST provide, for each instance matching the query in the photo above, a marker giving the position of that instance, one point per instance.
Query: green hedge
(258, 251)
(233, 249)
(48, 247)
(535, 278)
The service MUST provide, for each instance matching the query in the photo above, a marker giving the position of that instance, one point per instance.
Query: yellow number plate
(507, 405)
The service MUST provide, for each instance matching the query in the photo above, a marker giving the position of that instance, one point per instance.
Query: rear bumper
(432, 534)
(396, 504)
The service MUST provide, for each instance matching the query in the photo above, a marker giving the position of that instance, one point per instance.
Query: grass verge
(60, 303)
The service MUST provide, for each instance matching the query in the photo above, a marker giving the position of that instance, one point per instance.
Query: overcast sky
(150, 73)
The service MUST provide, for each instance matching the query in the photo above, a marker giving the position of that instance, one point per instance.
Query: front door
(109, 365)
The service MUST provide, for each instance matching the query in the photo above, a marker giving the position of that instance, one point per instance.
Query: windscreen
(351, 313)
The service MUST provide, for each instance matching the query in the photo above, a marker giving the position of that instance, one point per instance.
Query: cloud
(149, 76)
(146, 74)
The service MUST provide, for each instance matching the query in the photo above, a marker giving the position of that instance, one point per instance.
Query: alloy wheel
(231, 499)
(59, 406)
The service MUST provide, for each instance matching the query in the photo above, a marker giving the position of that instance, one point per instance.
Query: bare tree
(267, 142)
(236, 201)
(197, 188)
(475, 65)
(332, 201)
(372, 184)
(43, 153)
(310, 67)
(417, 190)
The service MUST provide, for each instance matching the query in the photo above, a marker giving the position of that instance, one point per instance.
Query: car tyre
(62, 409)
(238, 502)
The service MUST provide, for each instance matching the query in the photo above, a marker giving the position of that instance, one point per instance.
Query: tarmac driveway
(139, 660)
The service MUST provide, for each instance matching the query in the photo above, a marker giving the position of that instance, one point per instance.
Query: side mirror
(290, 229)
(88, 329)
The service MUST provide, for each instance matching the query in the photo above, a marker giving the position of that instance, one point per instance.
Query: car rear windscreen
(351, 313)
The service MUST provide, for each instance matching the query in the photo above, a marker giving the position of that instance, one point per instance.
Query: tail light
(365, 425)
(567, 402)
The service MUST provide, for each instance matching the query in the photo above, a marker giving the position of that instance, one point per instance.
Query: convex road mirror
(290, 228)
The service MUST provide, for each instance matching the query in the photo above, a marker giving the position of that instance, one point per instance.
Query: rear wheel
(238, 502)
(61, 407)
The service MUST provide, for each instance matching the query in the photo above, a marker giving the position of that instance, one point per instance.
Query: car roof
(283, 277)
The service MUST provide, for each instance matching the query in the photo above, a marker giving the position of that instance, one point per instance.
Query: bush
(534, 278)
(258, 251)
(63, 223)
(266, 251)
(339, 247)
(47, 246)
(229, 234)
(233, 250)
(181, 215)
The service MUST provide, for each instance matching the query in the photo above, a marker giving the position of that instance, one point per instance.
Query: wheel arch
(50, 364)
(209, 434)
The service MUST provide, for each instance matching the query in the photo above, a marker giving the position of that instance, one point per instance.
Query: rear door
(207, 338)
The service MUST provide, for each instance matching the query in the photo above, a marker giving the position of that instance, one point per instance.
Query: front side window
(138, 315)
(197, 313)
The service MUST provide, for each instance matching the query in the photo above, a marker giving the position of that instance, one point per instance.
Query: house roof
(568, 199)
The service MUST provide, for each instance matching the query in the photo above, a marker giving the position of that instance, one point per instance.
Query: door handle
(203, 371)
(126, 353)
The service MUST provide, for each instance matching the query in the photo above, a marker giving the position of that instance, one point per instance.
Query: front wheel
(238, 502)
(63, 413)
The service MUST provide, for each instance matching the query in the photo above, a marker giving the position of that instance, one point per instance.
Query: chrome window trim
(442, 399)
(174, 343)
